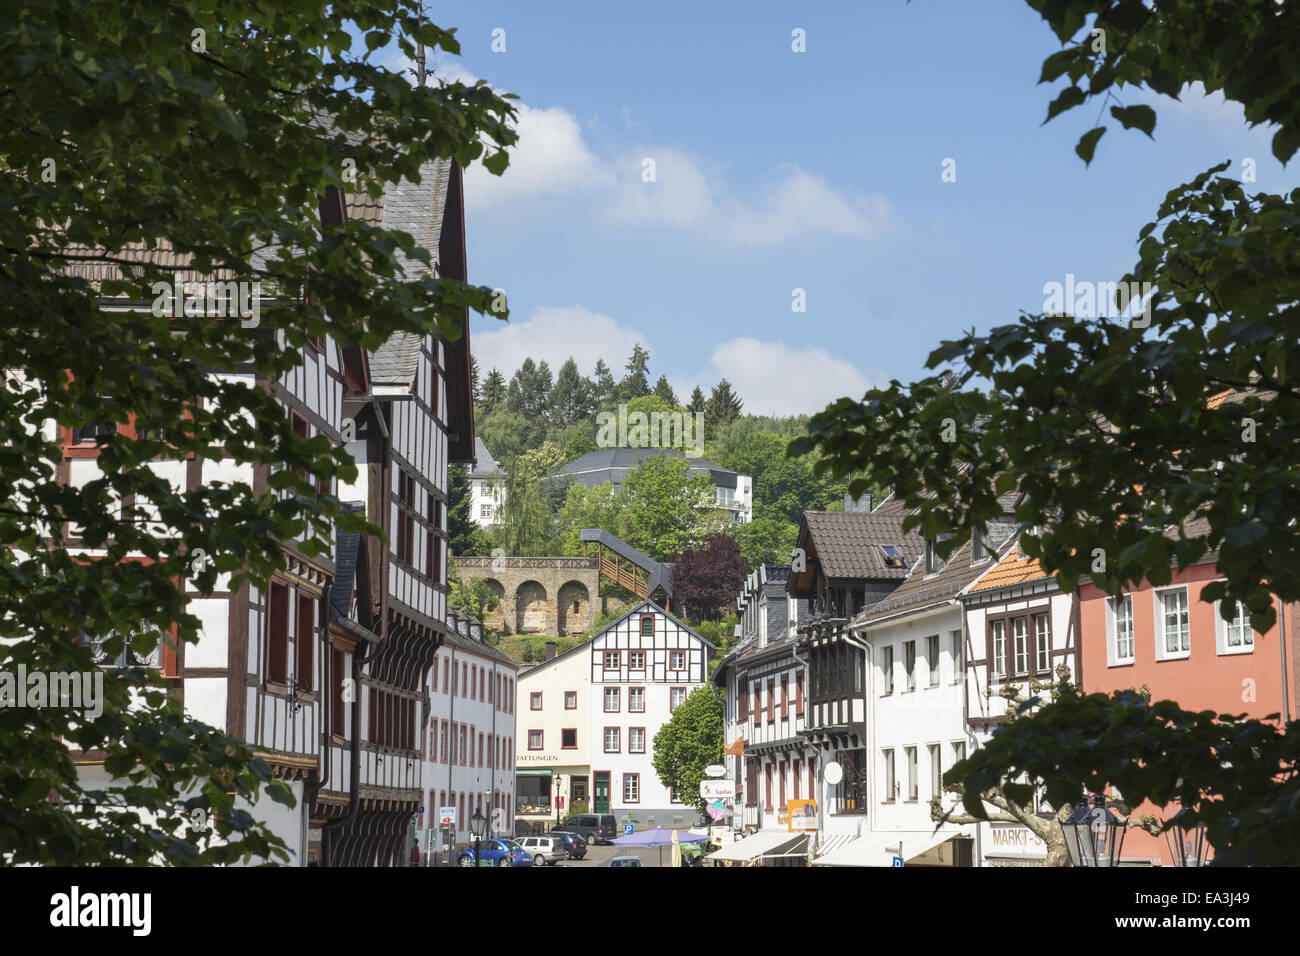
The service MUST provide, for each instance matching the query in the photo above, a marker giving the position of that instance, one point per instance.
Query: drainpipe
(965, 716)
(869, 729)
(1281, 622)
(451, 742)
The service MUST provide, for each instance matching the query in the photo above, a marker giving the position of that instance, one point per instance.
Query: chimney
(550, 649)
(859, 504)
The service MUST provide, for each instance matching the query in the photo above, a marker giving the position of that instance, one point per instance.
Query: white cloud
(554, 334)
(772, 378)
(1194, 106)
(553, 161)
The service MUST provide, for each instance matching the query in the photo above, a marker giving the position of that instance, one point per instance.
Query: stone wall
(554, 596)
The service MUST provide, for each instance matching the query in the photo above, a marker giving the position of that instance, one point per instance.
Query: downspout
(451, 734)
(965, 716)
(1281, 622)
(869, 730)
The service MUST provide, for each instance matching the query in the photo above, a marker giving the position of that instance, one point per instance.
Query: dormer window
(892, 555)
(934, 563)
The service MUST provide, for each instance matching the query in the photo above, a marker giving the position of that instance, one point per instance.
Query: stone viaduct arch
(539, 595)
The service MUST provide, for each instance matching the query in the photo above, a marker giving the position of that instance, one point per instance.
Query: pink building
(1173, 642)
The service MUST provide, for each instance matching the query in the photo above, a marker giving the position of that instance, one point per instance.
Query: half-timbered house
(845, 562)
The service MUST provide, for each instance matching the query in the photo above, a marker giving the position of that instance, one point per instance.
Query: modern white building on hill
(486, 498)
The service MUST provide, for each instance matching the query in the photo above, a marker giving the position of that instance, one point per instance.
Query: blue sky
(777, 170)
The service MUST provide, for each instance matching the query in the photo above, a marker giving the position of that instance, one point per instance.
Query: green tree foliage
(665, 391)
(572, 399)
(666, 508)
(1106, 426)
(525, 525)
(606, 388)
(475, 386)
(147, 138)
(463, 536)
(493, 392)
(472, 596)
(637, 381)
(723, 408)
(596, 507)
(508, 433)
(765, 540)
(698, 402)
(783, 487)
(1237, 776)
(707, 578)
(689, 743)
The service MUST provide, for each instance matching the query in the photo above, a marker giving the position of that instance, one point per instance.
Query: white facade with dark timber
(643, 666)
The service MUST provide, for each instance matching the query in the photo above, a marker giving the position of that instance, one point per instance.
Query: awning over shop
(764, 843)
(870, 848)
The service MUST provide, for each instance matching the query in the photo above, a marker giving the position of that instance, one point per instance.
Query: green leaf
(1088, 144)
(1140, 117)
(1069, 97)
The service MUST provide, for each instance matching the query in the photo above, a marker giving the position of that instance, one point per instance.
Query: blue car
(496, 853)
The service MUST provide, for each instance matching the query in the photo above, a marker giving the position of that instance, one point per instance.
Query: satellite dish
(833, 773)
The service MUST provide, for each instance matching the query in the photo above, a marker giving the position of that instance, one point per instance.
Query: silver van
(544, 849)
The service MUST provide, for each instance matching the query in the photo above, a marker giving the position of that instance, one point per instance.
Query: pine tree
(494, 390)
(573, 398)
(698, 402)
(637, 381)
(476, 392)
(605, 387)
(723, 408)
(530, 390)
(665, 391)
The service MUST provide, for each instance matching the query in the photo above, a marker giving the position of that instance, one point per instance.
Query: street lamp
(1186, 841)
(477, 824)
(1093, 835)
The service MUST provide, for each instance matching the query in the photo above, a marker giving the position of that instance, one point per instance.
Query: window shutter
(785, 698)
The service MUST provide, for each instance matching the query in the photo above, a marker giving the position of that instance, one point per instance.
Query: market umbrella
(660, 837)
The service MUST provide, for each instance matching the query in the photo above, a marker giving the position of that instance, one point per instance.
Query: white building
(470, 735)
(732, 493)
(486, 496)
(1019, 626)
(643, 666)
(553, 753)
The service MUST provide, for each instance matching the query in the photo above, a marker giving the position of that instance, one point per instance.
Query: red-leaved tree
(708, 578)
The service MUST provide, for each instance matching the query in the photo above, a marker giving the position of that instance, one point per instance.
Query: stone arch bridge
(539, 595)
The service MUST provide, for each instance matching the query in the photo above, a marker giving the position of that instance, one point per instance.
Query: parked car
(496, 853)
(574, 845)
(625, 861)
(592, 827)
(548, 850)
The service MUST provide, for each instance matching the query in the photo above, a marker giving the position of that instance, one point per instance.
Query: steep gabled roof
(485, 466)
(922, 591)
(847, 543)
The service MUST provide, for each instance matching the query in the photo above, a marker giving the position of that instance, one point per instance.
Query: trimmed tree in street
(687, 744)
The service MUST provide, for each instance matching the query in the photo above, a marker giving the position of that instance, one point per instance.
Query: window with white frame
(1121, 629)
(677, 660)
(936, 771)
(535, 700)
(958, 750)
(1236, 636)
(1043, 642)
(570, 700)
(636, 699)
(611, 700)
(611, 740)
(932, 658)
(611, 660)
(954, 639)
(887, 671)
(1173, 625)
(676, 697)
(636, 660)
(891, 784)
(631, 788)
(998, 631)
(913, 788)
(909, 663)
(636, 740)
(485, 511)
(534, 740)
(1019, 637)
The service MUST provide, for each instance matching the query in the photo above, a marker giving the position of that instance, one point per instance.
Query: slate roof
(613, 464)
(416, 208)
(847, 543)
(485, 466)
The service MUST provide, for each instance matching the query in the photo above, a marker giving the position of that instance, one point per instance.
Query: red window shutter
(337, 678)
(277, 635)
(794, 777)
(781, 785)
(771, 700)
(798, 695)
(812, 776)
(768, 774)
(785, 698)
(305, 643)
